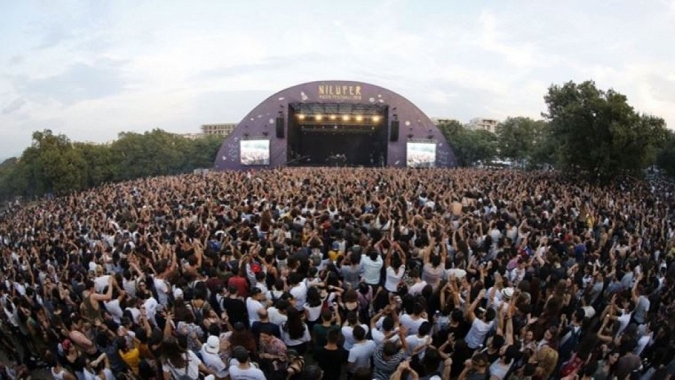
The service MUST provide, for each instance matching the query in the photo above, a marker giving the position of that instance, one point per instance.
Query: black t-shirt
(258, 326)
(459, 332)
(236, 310)
(331, 361)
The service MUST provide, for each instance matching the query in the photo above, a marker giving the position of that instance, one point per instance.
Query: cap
(507, 293)
(255, 268)
(177, 293)
(212, 345)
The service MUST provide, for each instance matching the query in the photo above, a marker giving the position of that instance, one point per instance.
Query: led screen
(421, 154)
(255, 152)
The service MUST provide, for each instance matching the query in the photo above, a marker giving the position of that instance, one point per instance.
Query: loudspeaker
(393, 131)
(280, 127)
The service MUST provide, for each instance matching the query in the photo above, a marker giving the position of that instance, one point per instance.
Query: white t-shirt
(623, 319)
(642, 343)
(251, 373)
(59, 375)
(276, 317)
(101, 282)
(92, 376)
(285, 336)
(589, 312)
(415, 341)
(371, 269)
(348, 333)
(162, 291)
(379, 337)
(252, 307)
(129, 287)
(299, 292)
(313, 313)
(214, 363)
(113, 307)
(360, 354)
(498, 370)
(417, 288)
(477, 333)
(150, 305)
(191, 369)
(412, 325)
(393, 279)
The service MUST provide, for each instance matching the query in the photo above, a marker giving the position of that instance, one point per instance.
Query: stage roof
(269, 122)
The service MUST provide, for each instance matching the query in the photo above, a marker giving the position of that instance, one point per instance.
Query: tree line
(55, 165)
(584, 130)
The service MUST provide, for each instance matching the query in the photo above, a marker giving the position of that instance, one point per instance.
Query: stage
(335, 123)
(337, 135)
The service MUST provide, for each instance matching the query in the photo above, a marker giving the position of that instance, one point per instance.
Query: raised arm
(469, 313)
(108, 295)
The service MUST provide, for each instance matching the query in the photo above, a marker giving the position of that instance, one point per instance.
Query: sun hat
(507, 293)
(212, 345)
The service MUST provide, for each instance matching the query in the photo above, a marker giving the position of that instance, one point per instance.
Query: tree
(519, 137)
(599, 133)
(53, 164)
(665, 159)
(469, 146)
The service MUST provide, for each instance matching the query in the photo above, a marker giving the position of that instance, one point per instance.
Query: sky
(93, 69)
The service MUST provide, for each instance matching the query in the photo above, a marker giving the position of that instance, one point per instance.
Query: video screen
(255, 152)
(421, 154)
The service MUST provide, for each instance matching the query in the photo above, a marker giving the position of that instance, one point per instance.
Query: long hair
(313, 297)
(547, 359)
(265, 221)
(244, 338)
(294, 325)
(350, 296)
(173, 353)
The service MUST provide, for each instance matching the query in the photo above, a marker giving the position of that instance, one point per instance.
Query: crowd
(332, 273)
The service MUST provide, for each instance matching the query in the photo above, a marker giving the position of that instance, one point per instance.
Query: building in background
(481, 124)
(223, 129)
(191, 136)
(440, 120)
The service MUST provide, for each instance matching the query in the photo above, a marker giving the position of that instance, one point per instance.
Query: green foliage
(599, 133)
(469, 146)
(522, 138)
(665, 159)
(53, 164)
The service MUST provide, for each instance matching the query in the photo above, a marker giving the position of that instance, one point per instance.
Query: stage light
(301, 116)
(345, 118)
(333, 117)
(359, 118)
(318, 117)
(376, 119)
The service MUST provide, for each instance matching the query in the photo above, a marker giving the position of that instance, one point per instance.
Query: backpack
(178, 376)
(566, 348)
(199, 312)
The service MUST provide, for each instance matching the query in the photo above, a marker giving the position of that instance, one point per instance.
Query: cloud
(54, 37)
(13, 106)
(79, 82)
(16, 60)
(136, 66)
(520, 54)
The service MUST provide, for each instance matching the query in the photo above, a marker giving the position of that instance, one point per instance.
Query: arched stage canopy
(313, 123)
